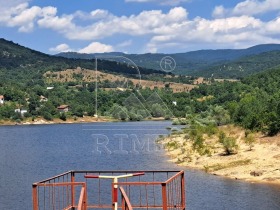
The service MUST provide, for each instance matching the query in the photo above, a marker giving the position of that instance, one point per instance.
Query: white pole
(115, 194)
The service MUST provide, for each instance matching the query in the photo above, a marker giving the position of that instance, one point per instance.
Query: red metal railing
(71, 190)
(82, 205)
(126, 205)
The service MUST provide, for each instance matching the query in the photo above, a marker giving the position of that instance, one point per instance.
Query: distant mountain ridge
(205, 63)
(188, 63)
(20, 61)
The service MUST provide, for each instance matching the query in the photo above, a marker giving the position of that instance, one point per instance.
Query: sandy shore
(259, 164)
(86, 119)
(41, 121)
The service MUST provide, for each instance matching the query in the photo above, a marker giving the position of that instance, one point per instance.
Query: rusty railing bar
(82, 200)
(183, 194)
(84, 171)
(35, 197)
(174, 176)
(73, 189)
(123, 171)
(139, 183)
(164, 196)
(125, 200)
(54, 177)
(61, 184)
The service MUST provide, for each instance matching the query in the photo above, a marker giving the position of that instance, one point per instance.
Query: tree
(78, 111)
(47, 116)
(220, 115)
(249, 139)
(63, 116)
(33, 104)
(123, 115)
(229, 143)
(157, 110)
(7, 111)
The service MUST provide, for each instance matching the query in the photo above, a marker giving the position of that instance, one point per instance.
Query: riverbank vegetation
(35, 85)
(252, 103)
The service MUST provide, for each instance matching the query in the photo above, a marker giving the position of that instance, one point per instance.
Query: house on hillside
(21, 111)
(1, 99)
(63, 108)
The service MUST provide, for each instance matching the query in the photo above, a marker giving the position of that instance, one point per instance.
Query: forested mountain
(202, 62)
(20, 62)
(242, 67)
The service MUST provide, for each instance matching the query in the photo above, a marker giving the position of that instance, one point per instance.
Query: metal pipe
(35, 197)
(72, 190)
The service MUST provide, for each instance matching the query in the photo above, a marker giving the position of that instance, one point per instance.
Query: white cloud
(23, 16)
(11, 3)
(248, 7)
(99, 14)
(252, 7)
(219, 12)
(171, 30)
(144, 23)
(94, 47)
(63, 23)
(26, 16)
(163, 30)
(161, 2)
(61, 48)
(229, 32)
(97, 47)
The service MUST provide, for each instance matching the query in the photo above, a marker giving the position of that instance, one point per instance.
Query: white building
(21, 111)
(1, 99)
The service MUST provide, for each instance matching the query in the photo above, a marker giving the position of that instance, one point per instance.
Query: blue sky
(139, 26)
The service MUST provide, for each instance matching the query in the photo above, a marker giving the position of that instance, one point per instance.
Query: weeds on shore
(232, 164)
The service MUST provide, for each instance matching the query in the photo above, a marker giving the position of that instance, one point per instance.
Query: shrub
(211, 129)
(63, 116)
(122, 115)
(47, 116)
(172, 145)
(250, 140)
(229, 143)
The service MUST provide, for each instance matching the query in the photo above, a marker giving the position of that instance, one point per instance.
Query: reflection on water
(31, 153)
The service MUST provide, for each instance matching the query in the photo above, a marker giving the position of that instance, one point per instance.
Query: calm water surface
(32, 153)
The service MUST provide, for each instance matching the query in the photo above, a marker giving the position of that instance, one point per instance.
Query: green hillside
(223, 63)
(242, 67)
(253, 102)
(23, 63)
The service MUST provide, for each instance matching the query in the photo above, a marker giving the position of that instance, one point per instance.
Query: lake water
(34, 152)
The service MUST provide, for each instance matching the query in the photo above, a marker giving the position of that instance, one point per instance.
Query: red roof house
(63, 108)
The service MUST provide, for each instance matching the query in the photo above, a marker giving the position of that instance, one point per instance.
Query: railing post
(164, 196)
(183, 196)
(85, 197)
(113, 196)
(35, 197)
(123, 202)
(72, 190)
